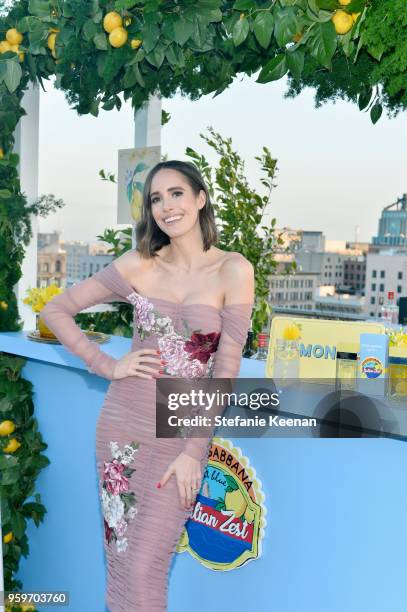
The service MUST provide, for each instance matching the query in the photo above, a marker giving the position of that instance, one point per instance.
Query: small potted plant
(37, 298)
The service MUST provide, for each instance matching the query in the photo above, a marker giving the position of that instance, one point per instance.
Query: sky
(336, 170)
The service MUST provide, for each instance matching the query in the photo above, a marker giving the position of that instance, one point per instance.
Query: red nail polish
(158, 485)
(163, 361)
(161, 371)
(158, 352)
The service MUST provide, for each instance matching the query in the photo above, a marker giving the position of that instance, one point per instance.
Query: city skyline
(329, 155)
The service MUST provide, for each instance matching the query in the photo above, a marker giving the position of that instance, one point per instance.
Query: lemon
(249, 515)
(51, 41)
(345, 2)
(53, 30)
(112, 21)
(12, 446)
(118, 37)
(342, 21)
(4, 46)
(8, 537)
(401, 387)
(135, 43)
(136, 205)
(14, 48)
(291, 332)
(355, 16)
(14, 37)
(6, 428)
(235, 501)
(21, 56)
(1, 157)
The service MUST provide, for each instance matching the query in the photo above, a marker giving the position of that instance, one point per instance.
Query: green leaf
(295, 62)
(323, 42)
(150, 36)
(240, 31)
(244, 5)
(89, 29)
(119, 5)
(156, 57)
(376, 112)
(263, 28)
(286, 25)
(183, 29)
(39, 8)
(13, 75)
(10, 476)
(376, 50)
(327, 5)
(175, 56)
(100, 41)
(364, 98)
(27, 24)
(130, 77)
(356, 6)
(274, 69)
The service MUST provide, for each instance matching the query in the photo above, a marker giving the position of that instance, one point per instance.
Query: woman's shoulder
(235, 263)
(131, 264)
(237, 278)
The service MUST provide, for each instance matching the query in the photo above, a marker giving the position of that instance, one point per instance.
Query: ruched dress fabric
(143, 523)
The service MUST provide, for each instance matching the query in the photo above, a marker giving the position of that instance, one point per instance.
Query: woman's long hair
(150, 238)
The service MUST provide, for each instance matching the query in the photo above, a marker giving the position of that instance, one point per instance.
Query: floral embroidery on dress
(188, 355)
(118, 502)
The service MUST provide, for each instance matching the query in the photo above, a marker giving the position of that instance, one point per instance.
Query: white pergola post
(147, 132)
(26, 146)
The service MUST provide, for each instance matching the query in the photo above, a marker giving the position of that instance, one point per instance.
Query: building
(329, 267)
(354, 274)
(80, 263)
(293, 290)
(385, 271)
(345, 306)
(392, 231)
(51, 260)
(312, 241)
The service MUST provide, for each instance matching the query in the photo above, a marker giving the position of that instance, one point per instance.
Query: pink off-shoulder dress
(142, 524)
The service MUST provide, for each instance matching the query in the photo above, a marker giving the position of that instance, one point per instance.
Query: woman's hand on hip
(187, 471)
(136, 363)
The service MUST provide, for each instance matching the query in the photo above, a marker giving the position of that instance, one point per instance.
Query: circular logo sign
(372, 367)
(227, 523)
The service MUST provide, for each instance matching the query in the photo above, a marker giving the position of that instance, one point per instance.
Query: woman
(192, 306)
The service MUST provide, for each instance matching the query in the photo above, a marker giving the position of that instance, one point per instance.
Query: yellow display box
(308, 346)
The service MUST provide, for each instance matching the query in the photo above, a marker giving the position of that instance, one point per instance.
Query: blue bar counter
(336, 533)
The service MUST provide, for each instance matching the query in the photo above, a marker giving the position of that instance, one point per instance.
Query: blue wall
(336, 531)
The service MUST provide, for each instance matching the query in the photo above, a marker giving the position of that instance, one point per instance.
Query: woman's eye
(155, 199)
(177, 193)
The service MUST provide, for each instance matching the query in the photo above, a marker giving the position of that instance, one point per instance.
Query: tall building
(51, 260)
(393, 225)
(385, 271)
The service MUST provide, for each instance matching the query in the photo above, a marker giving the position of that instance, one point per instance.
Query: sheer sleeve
(235, 325)
(104, 286)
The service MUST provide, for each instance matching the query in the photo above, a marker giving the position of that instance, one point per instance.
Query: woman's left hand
(188, 473)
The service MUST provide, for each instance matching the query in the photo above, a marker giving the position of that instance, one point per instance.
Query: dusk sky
(336, 169)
